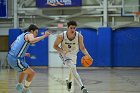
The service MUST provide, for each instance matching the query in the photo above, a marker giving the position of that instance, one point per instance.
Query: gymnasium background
(111, 30)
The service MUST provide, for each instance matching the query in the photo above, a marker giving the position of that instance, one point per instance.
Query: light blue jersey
(20, 46)
(17, 53)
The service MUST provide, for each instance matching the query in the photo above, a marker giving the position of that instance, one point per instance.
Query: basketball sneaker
(69, 84)
(26, 90)
(19, 88)
(84, 90)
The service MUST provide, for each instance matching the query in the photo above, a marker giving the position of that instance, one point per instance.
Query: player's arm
(82, 47)
(32, 39)
(57, 42)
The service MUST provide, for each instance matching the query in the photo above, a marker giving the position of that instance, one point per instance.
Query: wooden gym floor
(52, 80)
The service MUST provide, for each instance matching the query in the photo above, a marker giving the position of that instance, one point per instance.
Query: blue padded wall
(119, 48)
(90, 42)
(126, 47)
(39, 51)
(13, 33)
(104, 46)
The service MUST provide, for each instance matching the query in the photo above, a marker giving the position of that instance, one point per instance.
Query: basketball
(86, 61)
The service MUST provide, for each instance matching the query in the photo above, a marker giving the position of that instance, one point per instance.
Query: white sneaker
(19, 88)
(84, 90)
(26, 90)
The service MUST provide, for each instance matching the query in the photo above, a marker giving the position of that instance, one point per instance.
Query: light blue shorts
(18, 64)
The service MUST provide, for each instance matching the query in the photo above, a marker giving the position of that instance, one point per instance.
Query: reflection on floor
(52, 80)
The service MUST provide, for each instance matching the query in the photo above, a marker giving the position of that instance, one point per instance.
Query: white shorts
(68, 56)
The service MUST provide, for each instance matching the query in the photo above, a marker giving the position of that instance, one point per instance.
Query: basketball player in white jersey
(70, 41)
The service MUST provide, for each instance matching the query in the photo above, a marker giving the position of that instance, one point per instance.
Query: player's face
(35, 33)
(72, 28)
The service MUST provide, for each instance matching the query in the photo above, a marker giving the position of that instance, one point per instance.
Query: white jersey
(70, 46)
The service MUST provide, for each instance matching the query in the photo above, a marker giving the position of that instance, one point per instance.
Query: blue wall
(3, 8)
(104, 46)
(126, 47)
(109, 48)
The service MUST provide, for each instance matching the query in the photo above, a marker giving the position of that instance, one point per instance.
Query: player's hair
(32, 27)
(72, 23)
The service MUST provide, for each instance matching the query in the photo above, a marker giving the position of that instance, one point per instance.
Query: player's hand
(47, 33)
(90, 57)
(27, 54)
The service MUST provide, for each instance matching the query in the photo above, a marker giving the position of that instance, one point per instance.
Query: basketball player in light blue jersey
(17, 53)
(70, 41)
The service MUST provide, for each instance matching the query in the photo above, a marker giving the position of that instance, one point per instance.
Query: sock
(70, 77)
(27, 84)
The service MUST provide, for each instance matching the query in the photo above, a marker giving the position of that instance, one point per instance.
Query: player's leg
(70, 76)
(76, 76)
(69, 81)
(30, 74)
(72, 67)
(24, 68)
(14, 63)
(21, 77)
(20, 86)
